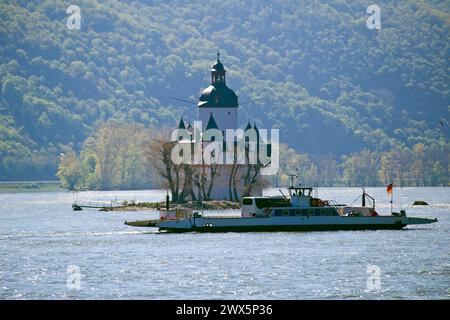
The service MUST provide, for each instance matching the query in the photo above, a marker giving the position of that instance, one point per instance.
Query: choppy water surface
(41, 237)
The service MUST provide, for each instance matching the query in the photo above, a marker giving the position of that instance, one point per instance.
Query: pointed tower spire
(190, 129)
(249, 126)
(181, 124)
(211, 123)
(256, 130)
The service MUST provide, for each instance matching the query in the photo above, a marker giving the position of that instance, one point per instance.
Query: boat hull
(289, 224)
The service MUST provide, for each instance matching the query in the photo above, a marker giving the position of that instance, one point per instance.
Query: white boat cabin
(300, 203)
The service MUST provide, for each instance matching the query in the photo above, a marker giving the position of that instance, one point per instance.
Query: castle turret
(218, 100)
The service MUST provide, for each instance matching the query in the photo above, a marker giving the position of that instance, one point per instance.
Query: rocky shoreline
(194, 205)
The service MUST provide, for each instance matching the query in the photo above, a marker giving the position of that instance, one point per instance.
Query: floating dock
(101, 205)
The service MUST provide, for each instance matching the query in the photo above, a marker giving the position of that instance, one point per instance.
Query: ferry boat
(298, 212)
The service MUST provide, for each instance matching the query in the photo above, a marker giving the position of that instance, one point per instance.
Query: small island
(420, 203)
(195, 205)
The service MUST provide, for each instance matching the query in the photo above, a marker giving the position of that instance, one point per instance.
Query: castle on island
(218, 109)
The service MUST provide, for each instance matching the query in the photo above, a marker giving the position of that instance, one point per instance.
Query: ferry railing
(339, 207)
(96, 204)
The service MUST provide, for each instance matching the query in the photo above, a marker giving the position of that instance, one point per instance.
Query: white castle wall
(226, 118)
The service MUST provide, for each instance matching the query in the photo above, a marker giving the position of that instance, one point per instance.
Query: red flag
(390, 188)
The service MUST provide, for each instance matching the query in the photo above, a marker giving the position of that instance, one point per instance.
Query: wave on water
(438, 205)
(74, 234)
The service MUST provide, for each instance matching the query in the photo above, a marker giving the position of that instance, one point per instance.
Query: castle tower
(218, 101)
(218, 109)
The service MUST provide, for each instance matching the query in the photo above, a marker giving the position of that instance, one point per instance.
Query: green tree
(69, 171)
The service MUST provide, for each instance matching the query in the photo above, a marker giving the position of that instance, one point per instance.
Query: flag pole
(392, 198)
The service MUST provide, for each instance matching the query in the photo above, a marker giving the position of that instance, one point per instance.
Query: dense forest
(352, 104)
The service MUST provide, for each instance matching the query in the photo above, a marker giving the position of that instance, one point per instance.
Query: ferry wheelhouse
(300, 203)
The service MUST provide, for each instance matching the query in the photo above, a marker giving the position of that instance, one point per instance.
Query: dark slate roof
(218, 66)
(211, 123)
(249, 126)
(218, 95)
(181, 125)
(256, 129)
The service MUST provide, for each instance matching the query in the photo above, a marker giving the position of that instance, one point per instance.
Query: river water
(48, 251)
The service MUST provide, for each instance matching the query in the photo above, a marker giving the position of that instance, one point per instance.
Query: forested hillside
(311, 68)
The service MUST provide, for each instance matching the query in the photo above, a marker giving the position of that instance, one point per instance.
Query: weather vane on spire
(218, 55)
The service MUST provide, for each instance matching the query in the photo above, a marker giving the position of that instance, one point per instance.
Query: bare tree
(159, 155)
